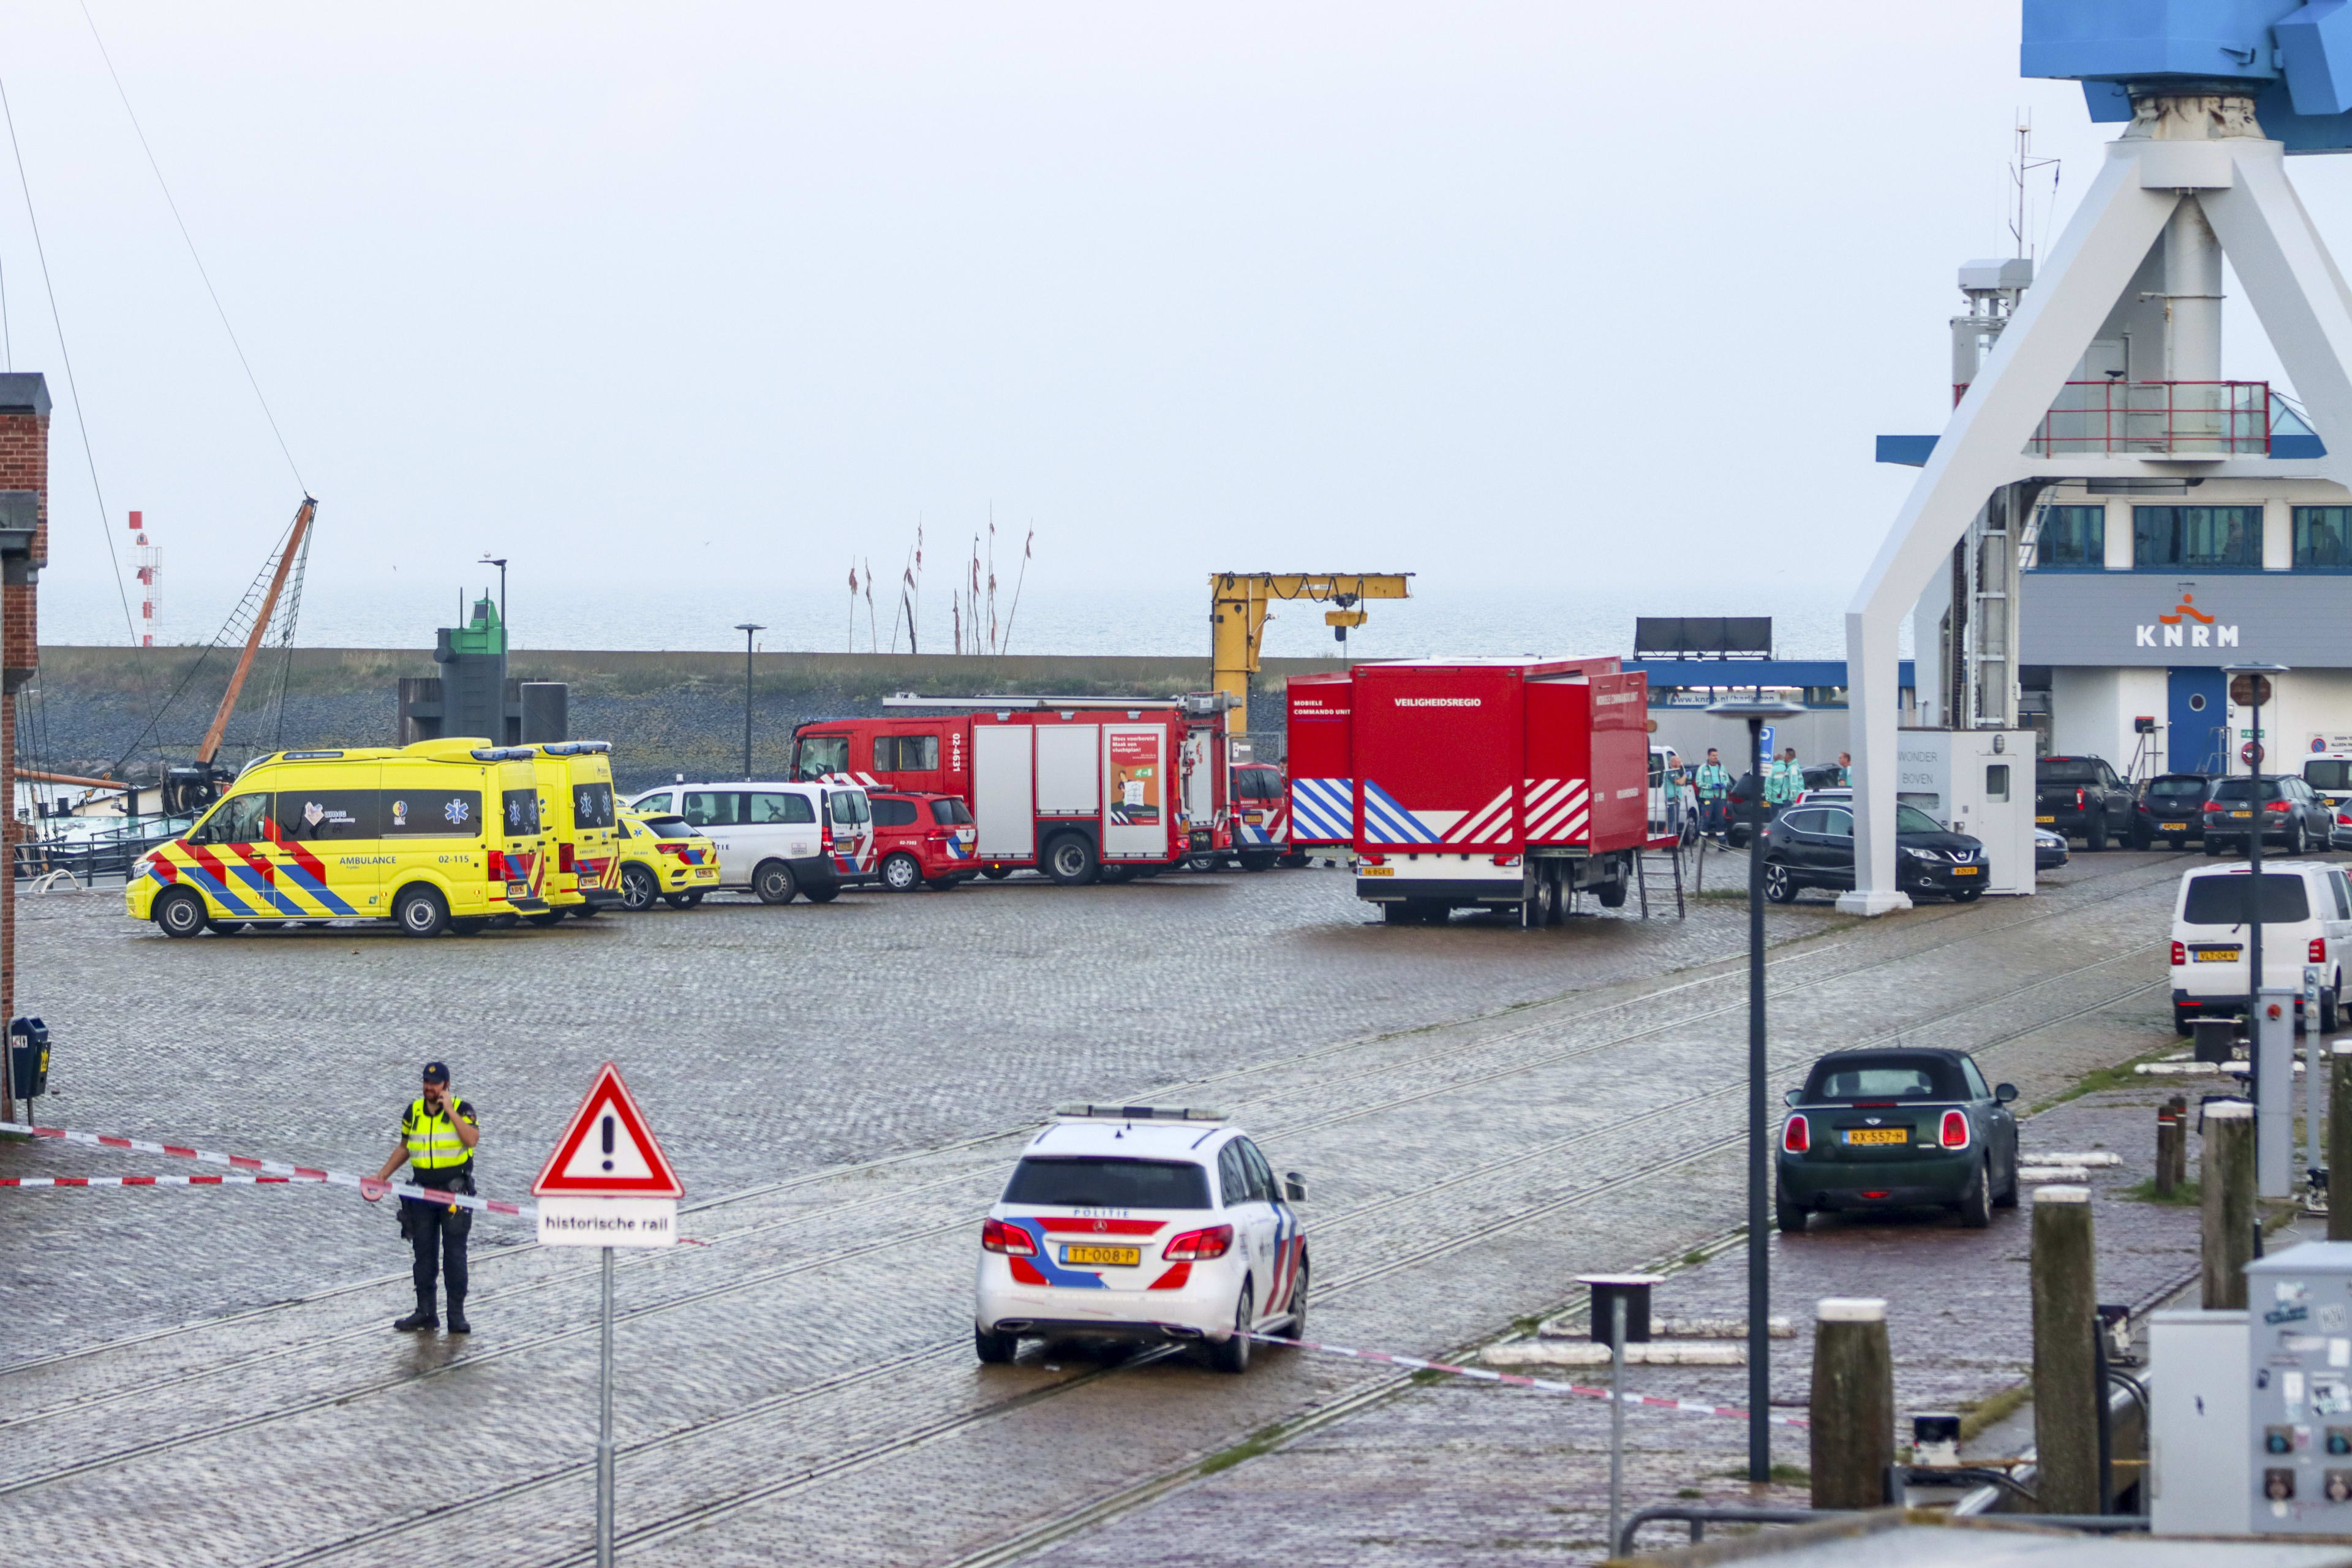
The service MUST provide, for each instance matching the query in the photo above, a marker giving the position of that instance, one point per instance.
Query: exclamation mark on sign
(608, 1140)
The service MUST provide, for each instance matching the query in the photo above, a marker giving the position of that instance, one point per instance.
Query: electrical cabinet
(2298, 1384)
(2197, 1435)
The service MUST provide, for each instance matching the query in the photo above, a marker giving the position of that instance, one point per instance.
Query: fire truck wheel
(997, 873)
(419, 912)
(774, 882)
(1258, 862)
(1070, 860)
(638, 888)
(901, 873)
(180, 913)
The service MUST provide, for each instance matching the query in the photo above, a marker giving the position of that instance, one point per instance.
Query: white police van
(780, 841)
(1147, 1224)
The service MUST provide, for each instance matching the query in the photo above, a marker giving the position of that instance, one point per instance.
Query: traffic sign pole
(607, 1184)
(604, 1426)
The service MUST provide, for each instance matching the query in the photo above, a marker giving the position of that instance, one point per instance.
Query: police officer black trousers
(437, 1237)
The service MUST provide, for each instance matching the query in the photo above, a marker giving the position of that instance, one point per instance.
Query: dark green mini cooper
(1899, 1127)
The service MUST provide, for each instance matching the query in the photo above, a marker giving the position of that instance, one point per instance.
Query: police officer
(1714, 787)
(437, 1138)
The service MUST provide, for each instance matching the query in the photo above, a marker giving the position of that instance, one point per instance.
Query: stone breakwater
(132, 710)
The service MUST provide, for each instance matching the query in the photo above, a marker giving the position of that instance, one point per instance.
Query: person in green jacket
(1714, 783)
(1785, 781)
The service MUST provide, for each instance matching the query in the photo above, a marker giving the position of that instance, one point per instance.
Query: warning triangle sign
(608, 1150)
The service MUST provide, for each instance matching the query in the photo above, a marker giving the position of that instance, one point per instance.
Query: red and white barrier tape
(1687, 1406)
(143, 1181)
(274, 1168)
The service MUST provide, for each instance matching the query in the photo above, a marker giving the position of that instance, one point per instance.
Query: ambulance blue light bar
(1079, 1111)
(575, 748)
(503, 754)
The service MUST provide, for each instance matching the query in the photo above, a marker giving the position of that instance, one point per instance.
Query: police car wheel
(180, 913)
(1233, 1354)
(774, 884)
(994, 1347)
(419, 912)
(638, 888)
(901, 873)
(1298, 1302)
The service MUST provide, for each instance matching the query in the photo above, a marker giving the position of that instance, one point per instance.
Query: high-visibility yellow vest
(433, 1140)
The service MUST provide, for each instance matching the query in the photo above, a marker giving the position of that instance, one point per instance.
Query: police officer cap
(436, 1072)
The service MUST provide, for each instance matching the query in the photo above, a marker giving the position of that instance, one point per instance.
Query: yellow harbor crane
(1239, 603)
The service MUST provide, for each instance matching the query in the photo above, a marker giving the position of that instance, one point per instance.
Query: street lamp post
(499, 561)
(1759, 1257)
(2250, 687)
(747, 628)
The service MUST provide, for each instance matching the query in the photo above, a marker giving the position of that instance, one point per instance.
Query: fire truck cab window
(906, 754)
(778, 807)
(712, 808)
(822, 754)
(888, 813)
(239, 821)
(951, 812)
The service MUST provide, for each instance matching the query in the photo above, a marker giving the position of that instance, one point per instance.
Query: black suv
(2293, 815)
(2082, 798)
(1813, 847)
(2172, 807)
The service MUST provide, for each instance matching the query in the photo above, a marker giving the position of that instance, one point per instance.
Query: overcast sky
(1572, 309)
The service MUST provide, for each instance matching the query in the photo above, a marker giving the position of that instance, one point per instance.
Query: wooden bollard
(2168, 1135)
(1853, 1429)
(2180, 1143)
(2228, 1175)
(2339, 1142)
(2065, 1381)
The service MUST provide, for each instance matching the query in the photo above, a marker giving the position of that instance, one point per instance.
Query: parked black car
(2172, 807)
(1813, 847)
(1886, 1128)
(2082, 798)
(2294, 816)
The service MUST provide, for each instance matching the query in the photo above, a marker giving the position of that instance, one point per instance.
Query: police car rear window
(1089, 1182)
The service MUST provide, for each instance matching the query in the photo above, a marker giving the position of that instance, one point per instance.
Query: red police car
(922, 840)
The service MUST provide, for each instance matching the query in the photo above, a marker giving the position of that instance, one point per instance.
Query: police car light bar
(1077, 1111)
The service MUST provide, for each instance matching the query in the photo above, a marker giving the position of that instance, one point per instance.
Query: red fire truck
(1491, 784)
(1077, 787)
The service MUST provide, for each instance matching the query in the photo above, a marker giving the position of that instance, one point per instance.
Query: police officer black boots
(458, 1324)
(423, 1317)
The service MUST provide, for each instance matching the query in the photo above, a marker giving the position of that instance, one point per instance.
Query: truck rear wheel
(774, 883)
(419, 912)
(1611, 894)
(1070, 860)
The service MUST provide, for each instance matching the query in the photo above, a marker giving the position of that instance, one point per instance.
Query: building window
(2323, 538)
(2072, 536)
(2201, 536)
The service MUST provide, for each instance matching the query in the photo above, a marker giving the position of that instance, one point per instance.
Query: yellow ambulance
(575, 807)
(440, 836)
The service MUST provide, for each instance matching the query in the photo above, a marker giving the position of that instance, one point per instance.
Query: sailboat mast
(302, 516)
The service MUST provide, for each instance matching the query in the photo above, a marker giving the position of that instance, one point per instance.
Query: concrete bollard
(2339, 1141)
(2167, 1134)
(1852, 1430)
(2228, 1175)
(2065, 1381)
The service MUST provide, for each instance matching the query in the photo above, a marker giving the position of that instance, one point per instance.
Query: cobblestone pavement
(202, 1376)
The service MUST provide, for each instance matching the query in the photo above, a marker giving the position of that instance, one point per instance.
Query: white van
(2306, 909)
(780, 841)
(2329, 775)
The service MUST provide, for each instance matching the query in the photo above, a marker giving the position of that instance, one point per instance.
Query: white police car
(1142, 1223)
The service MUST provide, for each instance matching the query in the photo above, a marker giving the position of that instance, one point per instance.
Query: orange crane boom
(302, 516)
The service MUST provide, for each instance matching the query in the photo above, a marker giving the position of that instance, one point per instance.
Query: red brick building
(23, 549)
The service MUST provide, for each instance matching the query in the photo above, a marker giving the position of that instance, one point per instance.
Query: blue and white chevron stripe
(1388, 822)
(1323, 809)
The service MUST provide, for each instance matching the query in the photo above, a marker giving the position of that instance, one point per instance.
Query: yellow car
(666, 857)
(440, 836)
(575, 804)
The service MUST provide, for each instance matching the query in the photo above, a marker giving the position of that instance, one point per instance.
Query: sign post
(607, 1184)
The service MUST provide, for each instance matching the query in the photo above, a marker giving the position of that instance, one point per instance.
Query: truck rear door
(1439, 754)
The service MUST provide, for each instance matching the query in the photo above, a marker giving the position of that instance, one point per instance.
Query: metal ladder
(1669, 875)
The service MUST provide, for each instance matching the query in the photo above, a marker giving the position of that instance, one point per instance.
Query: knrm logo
(2186, 626)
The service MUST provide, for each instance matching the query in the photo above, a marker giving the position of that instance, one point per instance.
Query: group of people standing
(1784, 779)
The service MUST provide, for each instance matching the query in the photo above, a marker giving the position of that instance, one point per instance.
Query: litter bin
(28, 1058)
(2216, 1039)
